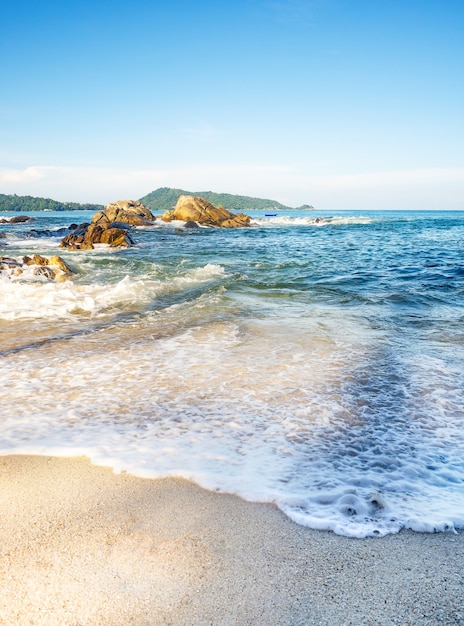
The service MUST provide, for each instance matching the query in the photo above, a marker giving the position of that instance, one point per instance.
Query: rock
(45, 271)
(73, 241)
(101, 220)
(110, 226)
(53, 268)
(95, 230)
(130, 212)
(35, 260)
(191, 224)
(122, 225)
(55, 261)
(238, 221)
(78, 226)
(34, 233)
(196, 209)
(116, 237)
(20, 219)
(9, 264)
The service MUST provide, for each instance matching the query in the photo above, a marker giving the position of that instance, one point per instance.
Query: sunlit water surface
(314, 360)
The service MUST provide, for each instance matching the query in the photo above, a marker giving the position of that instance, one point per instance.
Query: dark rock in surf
(35, 234)
(11, 266)
(17, 219)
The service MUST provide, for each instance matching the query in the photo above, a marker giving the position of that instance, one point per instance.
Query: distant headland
(162, 199)
(165, 198)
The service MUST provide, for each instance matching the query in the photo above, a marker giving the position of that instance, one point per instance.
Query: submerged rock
(54, 260)
(10, 266)
(53, 268)
(199, 210)
(110, 226)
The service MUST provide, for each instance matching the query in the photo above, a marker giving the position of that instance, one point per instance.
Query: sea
(314, 360)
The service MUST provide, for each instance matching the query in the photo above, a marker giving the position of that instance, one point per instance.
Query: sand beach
(82, 545)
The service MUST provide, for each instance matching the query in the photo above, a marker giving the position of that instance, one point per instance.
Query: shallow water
(314, 360)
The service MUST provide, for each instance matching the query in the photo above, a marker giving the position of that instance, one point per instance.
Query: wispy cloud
(396, 178)
(29, 174)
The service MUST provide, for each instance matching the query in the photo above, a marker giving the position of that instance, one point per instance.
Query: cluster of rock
(110, 226)
(195, 209)
(53, 268)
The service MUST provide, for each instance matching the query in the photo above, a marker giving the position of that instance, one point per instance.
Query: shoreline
(82, 545)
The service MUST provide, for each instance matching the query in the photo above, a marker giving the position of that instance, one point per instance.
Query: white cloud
(398, 178)
(438, 188)
(26, 175)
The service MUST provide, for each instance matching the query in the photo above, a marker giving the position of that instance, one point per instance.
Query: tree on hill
(165, 198)
(25, 204)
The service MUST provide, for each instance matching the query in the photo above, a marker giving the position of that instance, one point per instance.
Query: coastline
(81, 545)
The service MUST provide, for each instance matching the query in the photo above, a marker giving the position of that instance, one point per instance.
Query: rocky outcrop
(110, 226)
(53, 268)
(130, 212)
(17, 219)
(85, 238)
(196, 209)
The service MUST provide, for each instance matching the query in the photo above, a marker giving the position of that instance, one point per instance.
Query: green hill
(165, 198)
(24, 204)
(157, 201)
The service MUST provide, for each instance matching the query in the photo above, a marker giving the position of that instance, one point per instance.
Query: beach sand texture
(82, 546)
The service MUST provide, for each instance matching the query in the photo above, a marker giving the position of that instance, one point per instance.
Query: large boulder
(94, 234)
(196, 209)
(110, 226)
(130, 212)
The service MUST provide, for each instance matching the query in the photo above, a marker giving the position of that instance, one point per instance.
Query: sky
(342, 104)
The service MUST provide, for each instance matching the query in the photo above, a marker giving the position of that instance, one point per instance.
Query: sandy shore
(82, 546)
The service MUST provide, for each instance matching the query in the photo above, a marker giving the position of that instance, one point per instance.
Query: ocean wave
(271, 413)
(316, 367)
(30, 296)
(336, 220)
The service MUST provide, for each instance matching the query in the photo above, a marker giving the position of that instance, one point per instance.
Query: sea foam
(317, 368)
(266, 412)
(35, 297)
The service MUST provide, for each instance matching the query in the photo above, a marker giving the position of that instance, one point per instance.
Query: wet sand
(80, 545)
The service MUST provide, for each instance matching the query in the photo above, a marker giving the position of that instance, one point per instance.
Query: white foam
(272, 412)
(30, 296)
(39, 243)
(344, 415)
(288, 220)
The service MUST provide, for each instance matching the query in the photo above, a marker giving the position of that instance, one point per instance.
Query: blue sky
(348, 104)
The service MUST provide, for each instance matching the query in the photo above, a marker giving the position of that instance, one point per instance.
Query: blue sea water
(314, 360)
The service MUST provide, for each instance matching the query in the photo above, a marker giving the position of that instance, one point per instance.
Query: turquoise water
(314, 360)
